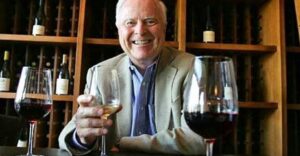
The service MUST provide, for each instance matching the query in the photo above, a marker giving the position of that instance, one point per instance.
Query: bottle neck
(5, 60)
(64, 60)
(208, 20)
(41, 4)
(6, 56)
(41, 10)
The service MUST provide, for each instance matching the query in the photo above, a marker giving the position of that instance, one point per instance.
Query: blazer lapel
(163, 87)
(124, 116)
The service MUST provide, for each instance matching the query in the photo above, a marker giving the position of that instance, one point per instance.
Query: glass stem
(31, 133)
(209, 146)
(103, 146)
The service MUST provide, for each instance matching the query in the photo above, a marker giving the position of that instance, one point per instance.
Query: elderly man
(146, 68)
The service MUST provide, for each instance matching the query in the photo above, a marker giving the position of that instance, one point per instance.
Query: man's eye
(129, 23)
(151, 22)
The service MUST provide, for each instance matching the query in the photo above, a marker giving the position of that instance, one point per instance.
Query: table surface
(13, 151)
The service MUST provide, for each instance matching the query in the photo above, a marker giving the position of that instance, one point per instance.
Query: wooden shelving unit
(248, 31)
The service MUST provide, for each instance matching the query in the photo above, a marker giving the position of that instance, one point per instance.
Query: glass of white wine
(107, 94)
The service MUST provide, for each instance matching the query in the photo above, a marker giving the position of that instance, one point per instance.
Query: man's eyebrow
(150, 17)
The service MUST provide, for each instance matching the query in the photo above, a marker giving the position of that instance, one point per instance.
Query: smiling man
(152, 78)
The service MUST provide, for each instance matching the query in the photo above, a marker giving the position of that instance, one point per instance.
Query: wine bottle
(208, 33)
(39, 20)
(62, 81)
(22, 141)
(5, 73)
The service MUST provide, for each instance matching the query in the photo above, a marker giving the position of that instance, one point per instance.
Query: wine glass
(211, 105)
(109, 99)
(33, 98)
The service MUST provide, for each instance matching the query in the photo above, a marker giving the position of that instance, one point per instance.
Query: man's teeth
(140, 42)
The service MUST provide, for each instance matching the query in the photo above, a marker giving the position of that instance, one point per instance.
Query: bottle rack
(85, 31)
(40, 51)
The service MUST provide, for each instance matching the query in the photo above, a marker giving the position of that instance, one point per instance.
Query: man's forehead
(140, 5)
(138, 13)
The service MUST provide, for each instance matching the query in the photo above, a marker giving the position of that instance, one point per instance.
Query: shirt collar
(132, 67)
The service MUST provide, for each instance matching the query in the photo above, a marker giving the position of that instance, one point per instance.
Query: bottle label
(4, 84)
(208, 36)
(22, 143)
(62, 86)
(38, 30)
(228, 93)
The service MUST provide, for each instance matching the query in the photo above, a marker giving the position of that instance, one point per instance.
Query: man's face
(141, 30)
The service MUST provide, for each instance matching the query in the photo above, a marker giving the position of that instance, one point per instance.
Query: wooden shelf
(101, 41)
(10, 95)
(63, 98)
(38, 39)
(293, 50)
(7, 95)
(115, 42)
(293, 106)
(251, 2)
(249, 104)
(233, 48)
(258, 105)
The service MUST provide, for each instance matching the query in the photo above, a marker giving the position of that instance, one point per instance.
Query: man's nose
(140, 28)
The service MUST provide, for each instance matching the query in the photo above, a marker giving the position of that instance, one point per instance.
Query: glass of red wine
(211, 104)
(33, 98)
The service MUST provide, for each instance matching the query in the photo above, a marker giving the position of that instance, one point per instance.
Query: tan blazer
(173, 135)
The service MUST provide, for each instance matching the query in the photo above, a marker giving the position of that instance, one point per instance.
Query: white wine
(5, 73)
(208, 33)
(39, 20)
(110, 109)
(62, 81)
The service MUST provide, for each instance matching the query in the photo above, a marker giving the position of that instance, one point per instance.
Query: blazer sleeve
(65, 140)
(176, 141)
(65, 137)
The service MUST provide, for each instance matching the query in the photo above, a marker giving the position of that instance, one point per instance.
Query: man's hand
(89, 123)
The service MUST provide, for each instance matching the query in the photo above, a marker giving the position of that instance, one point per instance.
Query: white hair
(161, 6)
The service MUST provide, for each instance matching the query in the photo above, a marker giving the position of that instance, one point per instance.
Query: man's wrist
(77, 142)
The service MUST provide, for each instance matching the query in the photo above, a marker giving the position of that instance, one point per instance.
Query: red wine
(33, 110)
(211, 125)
